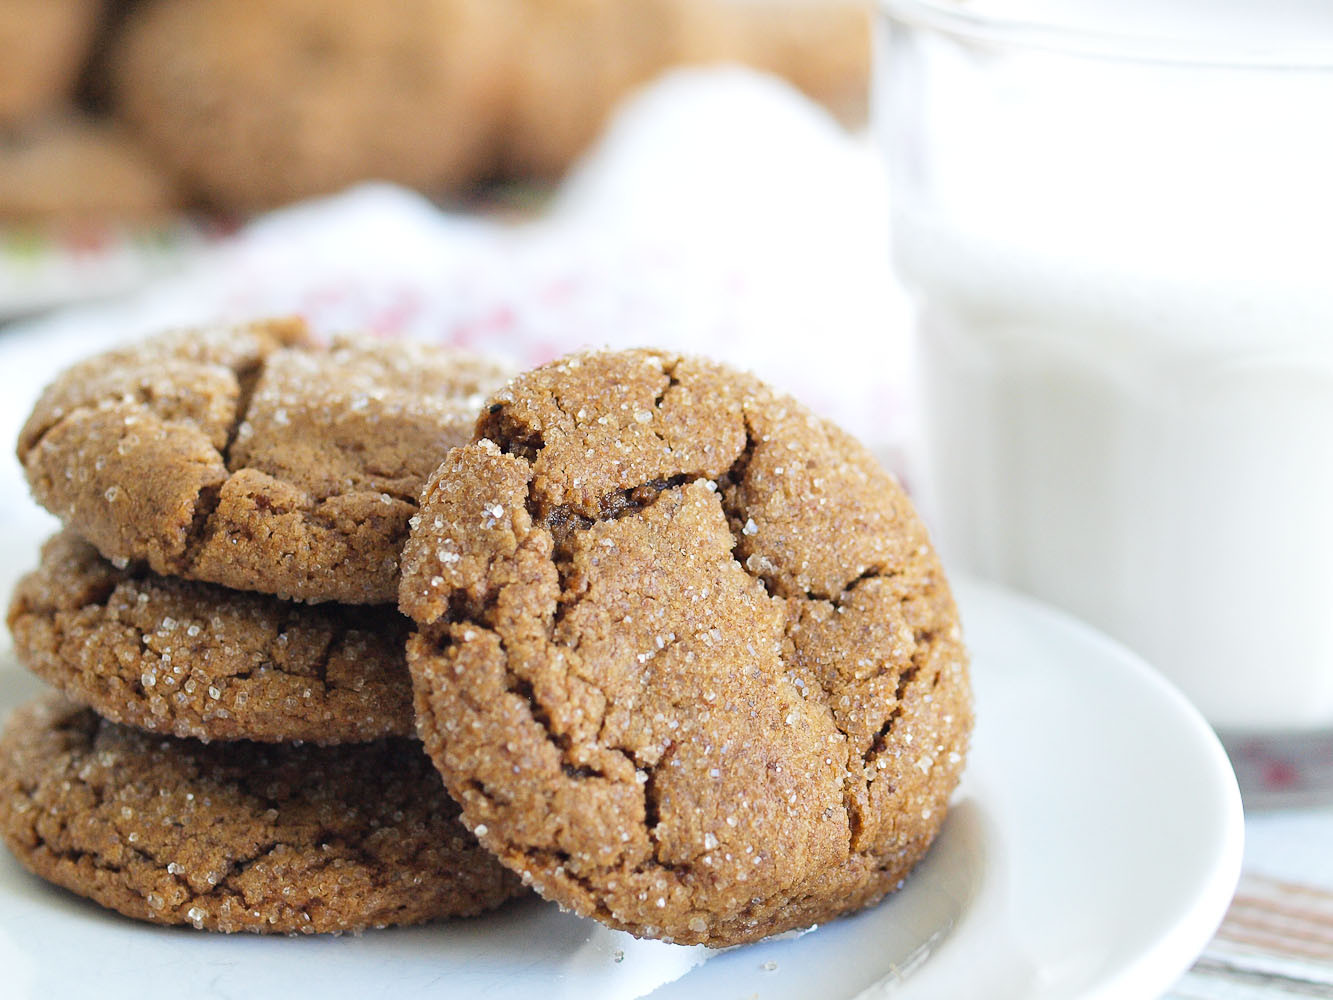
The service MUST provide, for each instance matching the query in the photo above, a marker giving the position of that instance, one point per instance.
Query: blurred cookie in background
(821, 46)
(258, 102)
(72, 169)
(43, 45)
(576, 59)
(244, 105)
(572, 62)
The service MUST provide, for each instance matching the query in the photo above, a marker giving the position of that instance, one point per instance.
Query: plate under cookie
(1090, 853)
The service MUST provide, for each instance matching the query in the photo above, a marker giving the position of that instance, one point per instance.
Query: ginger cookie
(252, 458)
(42, 48)
(194, 659)
(76, 169)
(576, 60)
(238, 836)
(822, 47)
(685, 655)
(335, 91)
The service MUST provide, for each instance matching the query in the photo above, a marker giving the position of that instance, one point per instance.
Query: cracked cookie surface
(238, 836)
(251, 457)
(685, 655)
(195, 659)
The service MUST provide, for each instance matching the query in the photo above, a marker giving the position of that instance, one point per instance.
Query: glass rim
(953, 18)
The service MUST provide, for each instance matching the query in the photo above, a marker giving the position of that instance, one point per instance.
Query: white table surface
(1288, 853)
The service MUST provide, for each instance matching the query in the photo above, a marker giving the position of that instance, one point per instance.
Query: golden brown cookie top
(194, 659)
(685, 657)
(250, 457)
(238, 836)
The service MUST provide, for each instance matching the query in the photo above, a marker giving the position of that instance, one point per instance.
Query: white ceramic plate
(1091, 852)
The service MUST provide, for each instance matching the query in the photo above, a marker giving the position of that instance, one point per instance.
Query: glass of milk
(1116, 222)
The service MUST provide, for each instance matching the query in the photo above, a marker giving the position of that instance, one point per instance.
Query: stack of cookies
(679, 650)
(242, 760)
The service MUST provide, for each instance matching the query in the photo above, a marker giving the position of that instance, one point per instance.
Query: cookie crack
(632, 500)
(144, 395)
(558, 863)
(341, 629)
(72, 854)
(564, 524)
(237, 867)
(654, 426)
(652, 805)
(740, 466)
(738, 516)
(880, 742)
(498, 425)
(210, 496)
(77, 855)
(922, 640)
(670, 372)
(742, 527)
(541, 715)
(839, 600)
(247, 380)
(489, 795)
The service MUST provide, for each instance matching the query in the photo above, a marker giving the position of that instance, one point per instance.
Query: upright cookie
(686, 657)
(336, 91)
(238, 836)
(194, 659)
(250, 457)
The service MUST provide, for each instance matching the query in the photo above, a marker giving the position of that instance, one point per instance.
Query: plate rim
(1154, 971)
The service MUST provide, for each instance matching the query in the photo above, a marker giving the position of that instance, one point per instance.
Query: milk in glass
(1120, 244)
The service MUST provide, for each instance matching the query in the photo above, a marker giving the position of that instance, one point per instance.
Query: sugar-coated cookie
(195, 659)
(249, 457)
(685, 655)
(238, 836)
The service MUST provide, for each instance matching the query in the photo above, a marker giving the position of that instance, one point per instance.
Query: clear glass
(1118, 234)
